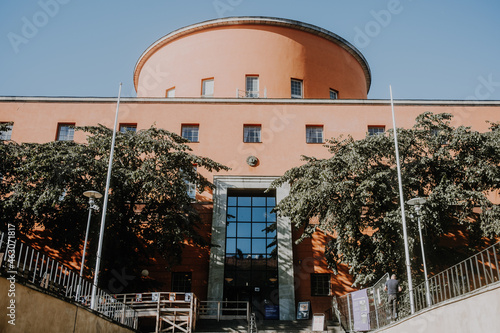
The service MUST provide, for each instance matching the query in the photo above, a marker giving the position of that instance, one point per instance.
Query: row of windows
(252, 88)
(251, 133)
(66, 132)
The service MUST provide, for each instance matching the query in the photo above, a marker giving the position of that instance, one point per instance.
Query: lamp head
(416, 201)
(92, 194)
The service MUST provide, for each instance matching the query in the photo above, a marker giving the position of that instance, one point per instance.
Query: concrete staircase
(267, 326)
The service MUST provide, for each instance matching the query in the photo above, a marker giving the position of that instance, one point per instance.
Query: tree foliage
(43, 185)
(355, 195)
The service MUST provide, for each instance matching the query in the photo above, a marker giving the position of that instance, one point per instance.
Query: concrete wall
(476, 313)
(39, 312)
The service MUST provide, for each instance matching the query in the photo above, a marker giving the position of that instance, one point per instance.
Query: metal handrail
(252, 324)
(182, 306)
(37, 268)
(477, 271)
(224, 310)
(471, 274)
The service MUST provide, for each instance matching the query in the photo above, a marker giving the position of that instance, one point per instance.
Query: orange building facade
(254, 94)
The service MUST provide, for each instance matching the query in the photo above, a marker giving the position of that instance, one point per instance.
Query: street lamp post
(402, 205)
(91, 195)
(417, 203)
(93, 304)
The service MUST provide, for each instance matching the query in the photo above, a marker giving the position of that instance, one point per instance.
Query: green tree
(148, 210)
(354, 194)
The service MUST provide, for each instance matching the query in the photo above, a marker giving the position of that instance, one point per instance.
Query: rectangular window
(63, 194)
(6, 135)
(252, 86)
(191, 187)
(207, 88)
(181, 282)
(190, 132)
(314, 134)
(251, 133)
(65, 132)
(334, 94)
(320, 284)
(376, 130)
(191, 190)
(296, 88)
(128, 128)
(170, 92)
(440, 135)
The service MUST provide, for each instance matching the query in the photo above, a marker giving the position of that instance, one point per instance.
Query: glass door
(251, 264)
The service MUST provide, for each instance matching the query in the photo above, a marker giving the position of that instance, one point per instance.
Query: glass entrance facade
(251, 263)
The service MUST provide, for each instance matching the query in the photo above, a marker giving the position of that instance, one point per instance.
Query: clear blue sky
(446, 49)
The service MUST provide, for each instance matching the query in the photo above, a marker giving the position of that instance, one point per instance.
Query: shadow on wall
(35, 311)
(475, 313)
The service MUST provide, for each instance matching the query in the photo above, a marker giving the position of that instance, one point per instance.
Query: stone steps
(267, 326)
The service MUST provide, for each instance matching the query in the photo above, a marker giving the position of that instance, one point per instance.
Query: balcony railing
(251, 93)
(37, 268)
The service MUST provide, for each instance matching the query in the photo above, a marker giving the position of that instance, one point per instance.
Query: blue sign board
(303, 310)
(272, 312)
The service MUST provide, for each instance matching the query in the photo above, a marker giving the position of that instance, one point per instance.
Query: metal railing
(475, 272)
(480, 270)
(37, 268)
(251, 93)
(224, 310)
(176, 311)
(252, 324)
(342, 305)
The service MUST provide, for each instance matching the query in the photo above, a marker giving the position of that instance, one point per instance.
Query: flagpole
(402, 203)
(104, 207)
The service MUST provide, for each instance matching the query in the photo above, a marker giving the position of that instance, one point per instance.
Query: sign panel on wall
(361, 310)
(272, 312)
(303, 310)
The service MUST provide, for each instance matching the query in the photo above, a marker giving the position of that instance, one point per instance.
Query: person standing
(393, 288)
